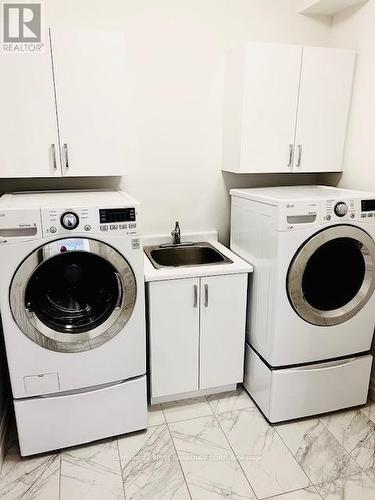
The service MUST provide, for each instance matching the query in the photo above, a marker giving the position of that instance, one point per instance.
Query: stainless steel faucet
(176, 234)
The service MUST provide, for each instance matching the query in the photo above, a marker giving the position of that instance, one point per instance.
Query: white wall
(176, 53)
(354, 29)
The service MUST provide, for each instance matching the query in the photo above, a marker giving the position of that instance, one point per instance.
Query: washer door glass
(332, 276)
(73, 295)
(73, 292)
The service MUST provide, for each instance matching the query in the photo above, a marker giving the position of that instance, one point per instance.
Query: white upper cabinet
(324, 98)
(28, 128)
(286, 108)
(63, 110)
(260, 107)
(89, 69)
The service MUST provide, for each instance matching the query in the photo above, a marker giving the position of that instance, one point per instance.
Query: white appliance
(72, 307)
(311, 310)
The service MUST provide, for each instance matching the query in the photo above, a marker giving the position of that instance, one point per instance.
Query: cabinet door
(28, 128)
(222, 337)
(174, 336)
(325, 94)
(90, 88)
(271, 81)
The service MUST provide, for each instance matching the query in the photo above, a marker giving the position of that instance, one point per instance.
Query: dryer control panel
(112, 220)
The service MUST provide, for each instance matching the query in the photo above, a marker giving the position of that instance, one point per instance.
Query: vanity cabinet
(196, 334)
(286, 108)
(63, 109)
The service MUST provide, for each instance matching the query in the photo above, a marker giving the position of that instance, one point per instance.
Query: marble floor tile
(30, 478)
(210, 466)
(150, 468)
(357, 487)
(317, 451)
(186, 409)
(305, 494)
(92, 472)
(155, 415)
(268, 464)
(230, 401)
(356, 433)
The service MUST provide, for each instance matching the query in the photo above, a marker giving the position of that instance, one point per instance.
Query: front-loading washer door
(332, 275)
(72, 295)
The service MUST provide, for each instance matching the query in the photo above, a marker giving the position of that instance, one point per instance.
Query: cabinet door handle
(290, 163)
(195, 296)
(66, 156)
(205, 295)
(299, 155)
(53, 149)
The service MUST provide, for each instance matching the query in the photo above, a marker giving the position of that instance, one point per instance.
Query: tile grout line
(290, 451)
(179, 461)
(341, 446)
(326, 482)
(120, 463)
(175, 449)
(60, 471)
(234, 453)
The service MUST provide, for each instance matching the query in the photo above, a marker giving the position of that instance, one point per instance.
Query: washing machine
(311, 309)
(72, 309)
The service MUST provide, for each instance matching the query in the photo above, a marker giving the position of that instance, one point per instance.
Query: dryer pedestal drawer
(52, 422)
(288, 393)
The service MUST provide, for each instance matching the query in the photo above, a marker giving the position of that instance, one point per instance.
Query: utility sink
(184, 255)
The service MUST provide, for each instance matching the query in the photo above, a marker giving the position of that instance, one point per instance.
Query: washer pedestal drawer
(51, 422)
(289, 393)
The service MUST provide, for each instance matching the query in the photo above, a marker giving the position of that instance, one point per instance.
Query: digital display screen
(116, 215)
(72, 244)
(368, 205)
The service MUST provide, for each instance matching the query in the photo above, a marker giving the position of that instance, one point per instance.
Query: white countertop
(169, 273)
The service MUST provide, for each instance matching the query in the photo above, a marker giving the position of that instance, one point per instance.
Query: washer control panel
(339, 210)
(71, 220)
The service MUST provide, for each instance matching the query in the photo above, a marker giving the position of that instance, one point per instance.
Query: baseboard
(3, 432)
(193, 394)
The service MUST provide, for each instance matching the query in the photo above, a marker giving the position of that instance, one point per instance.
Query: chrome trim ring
(46, 337)
(298, 266)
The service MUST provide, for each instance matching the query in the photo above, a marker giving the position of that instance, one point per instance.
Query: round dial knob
(69, 220)
(341, 209)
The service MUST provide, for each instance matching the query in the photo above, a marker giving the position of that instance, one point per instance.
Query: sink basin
(192, 254)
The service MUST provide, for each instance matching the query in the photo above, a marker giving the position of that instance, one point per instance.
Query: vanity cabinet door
(174, 336)
(222, 338)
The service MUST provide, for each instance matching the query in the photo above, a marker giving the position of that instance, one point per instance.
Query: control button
(328, 217)
(69, 220)
(87, 227)
(370, 215)
(363, 216)
(52, 230)
(352, 215)
(341, 209)
(123, 226)
(104, 228)
(132, 226)
(113, 226)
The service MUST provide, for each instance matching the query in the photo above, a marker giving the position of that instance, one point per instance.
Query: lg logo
(22, 27)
